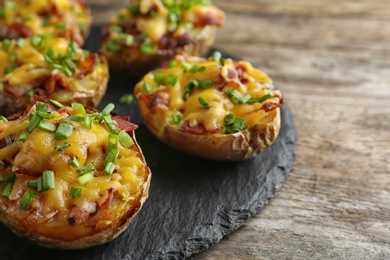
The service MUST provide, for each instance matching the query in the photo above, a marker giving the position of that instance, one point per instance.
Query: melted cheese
(37, 154)
(240, 76)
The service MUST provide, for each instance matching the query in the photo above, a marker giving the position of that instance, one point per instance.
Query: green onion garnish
(85, 178)
(74, 162)
(113, 46)
(88, 168)
(147, 87)
(76, 118)
(1, 179)
(171, 80)
(148, 49)
(56, 103)
(23, 137)
(60, 26)
(10, 68)
(108, 108)
(176, 119)
(203, 101)
(64, 130)
(34, 122)
(7, 190)
(10, 177)
(20, 42)
(79, 108)
(109, 169)
(197, 68)
(233, 124)
(126, 99)
(112, 149)
(159, 78)
(186, 66)
(259, 100)
(47, 126)
(75, 192)
(3, 118)
(62, 146)
(125, 139)
(48, 180)
(27, 198)
(6, 44)
(33, 183)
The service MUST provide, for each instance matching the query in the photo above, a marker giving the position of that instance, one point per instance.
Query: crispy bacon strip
(57, 78)
(21, 29)
(123, 123)
(198, 129)
(87, 66)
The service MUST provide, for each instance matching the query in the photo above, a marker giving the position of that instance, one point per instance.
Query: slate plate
(192, 202)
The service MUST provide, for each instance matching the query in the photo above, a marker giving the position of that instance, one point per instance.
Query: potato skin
(136, 64)
(17, 227)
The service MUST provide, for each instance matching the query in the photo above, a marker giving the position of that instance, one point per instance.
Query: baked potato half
(147, 33)
(70, 177)
(215, 108)
(70, 19)
(50, 67)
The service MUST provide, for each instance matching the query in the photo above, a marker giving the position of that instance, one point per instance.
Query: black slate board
(192, 202)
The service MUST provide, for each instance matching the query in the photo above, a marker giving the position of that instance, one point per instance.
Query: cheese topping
(64, 18)
(59, 212)
(210, 96)
(158, 25)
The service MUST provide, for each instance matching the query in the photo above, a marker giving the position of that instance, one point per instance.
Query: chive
(260, 100)
(125, 139)
(159, 78)
(203, 101)
(2, 12)
(6, 44)
(176, 119)
(3, 118)
(126, 99)
(85, 178)
(23, 137)
(33, 183)
(113, 46)
(30, 93)
(142, 37)
(133, 9)
(10, 68)
(109, 169)
(234, 95)
(172, 63)
(64, 131)
(112, 150)
(10, 177)
(189, 26)
(46, 21)
(110, 124)
(56, 103)
(78, 108)
(44, 114)
(27, 198)
(75, 192)
(48, 180)
(47, 126)
(108, 108)
(88, 168)
(40, 184)
(233, 124)
(202, 83)
(12, 57)
(116, 28)
(197, 68)
(147, 87)
(20, 42)
(127, 38)
(74, 162)
(186, 66)
(88, 120)
(171, 80)
(62, 146)
(76, 118)
(148, 49)
(60, 26)
(7, 190)
(36, 41)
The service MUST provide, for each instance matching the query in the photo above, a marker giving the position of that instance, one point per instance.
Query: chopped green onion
(88, 168)
(259, 100)
(234, 95)
(64, 131)
(2, 12)
(159, 78)
(40, 184)
(3, 118)
(171, 80)
(126, 99)
(34, 122)
(20, 42)
(48, 180)
(116, 28)
(176, 119)
(233, 124)
(60, 26)
(127, 38)
(1, 87)
(7, 189)
(172, 63)
(148, 49)
(12, 57)
(108, 108)
(30, 93)
(23, 137)
(33, 183)
(74, 162)
(147, 87)
(47, 126)
(75, 192)
(203, 83)
(133, 9)
(88, 120)
(113, 46)
(112, 149)
(85, 178)
(125, 139)
(76, 118)
(36, 41)
(186, 66)
(27, 198)
(56, 103)
(203, 101)
(197, 68)
(62, 146)
(78, 108)
(109, 169)
(10, 68)
(217, 56)
(10, 177)
(6, 44)
(110, 124)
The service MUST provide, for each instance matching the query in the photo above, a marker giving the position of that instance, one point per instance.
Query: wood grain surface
(331, 60)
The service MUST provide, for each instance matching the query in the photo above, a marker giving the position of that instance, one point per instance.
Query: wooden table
(331, 60)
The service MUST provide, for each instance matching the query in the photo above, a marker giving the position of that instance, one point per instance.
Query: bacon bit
(272, 105)
(80, 216)
(170, 41)
(54, 10)
(198, 129)
(33, 100)
(22, 30)
(17, 91)
(123, 123)
(201, 16)
(56, 77)
(154, 101)
(87, 66)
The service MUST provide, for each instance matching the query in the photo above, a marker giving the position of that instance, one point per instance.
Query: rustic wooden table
(331, 60)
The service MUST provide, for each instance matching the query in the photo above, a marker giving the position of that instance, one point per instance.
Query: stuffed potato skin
(50, 67)
(75, 212)
(215, 108)
(70, 19)
(147, 33)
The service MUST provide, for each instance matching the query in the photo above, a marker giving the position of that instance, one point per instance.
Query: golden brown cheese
(63, 18)
(164, 101)
(105, 200)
